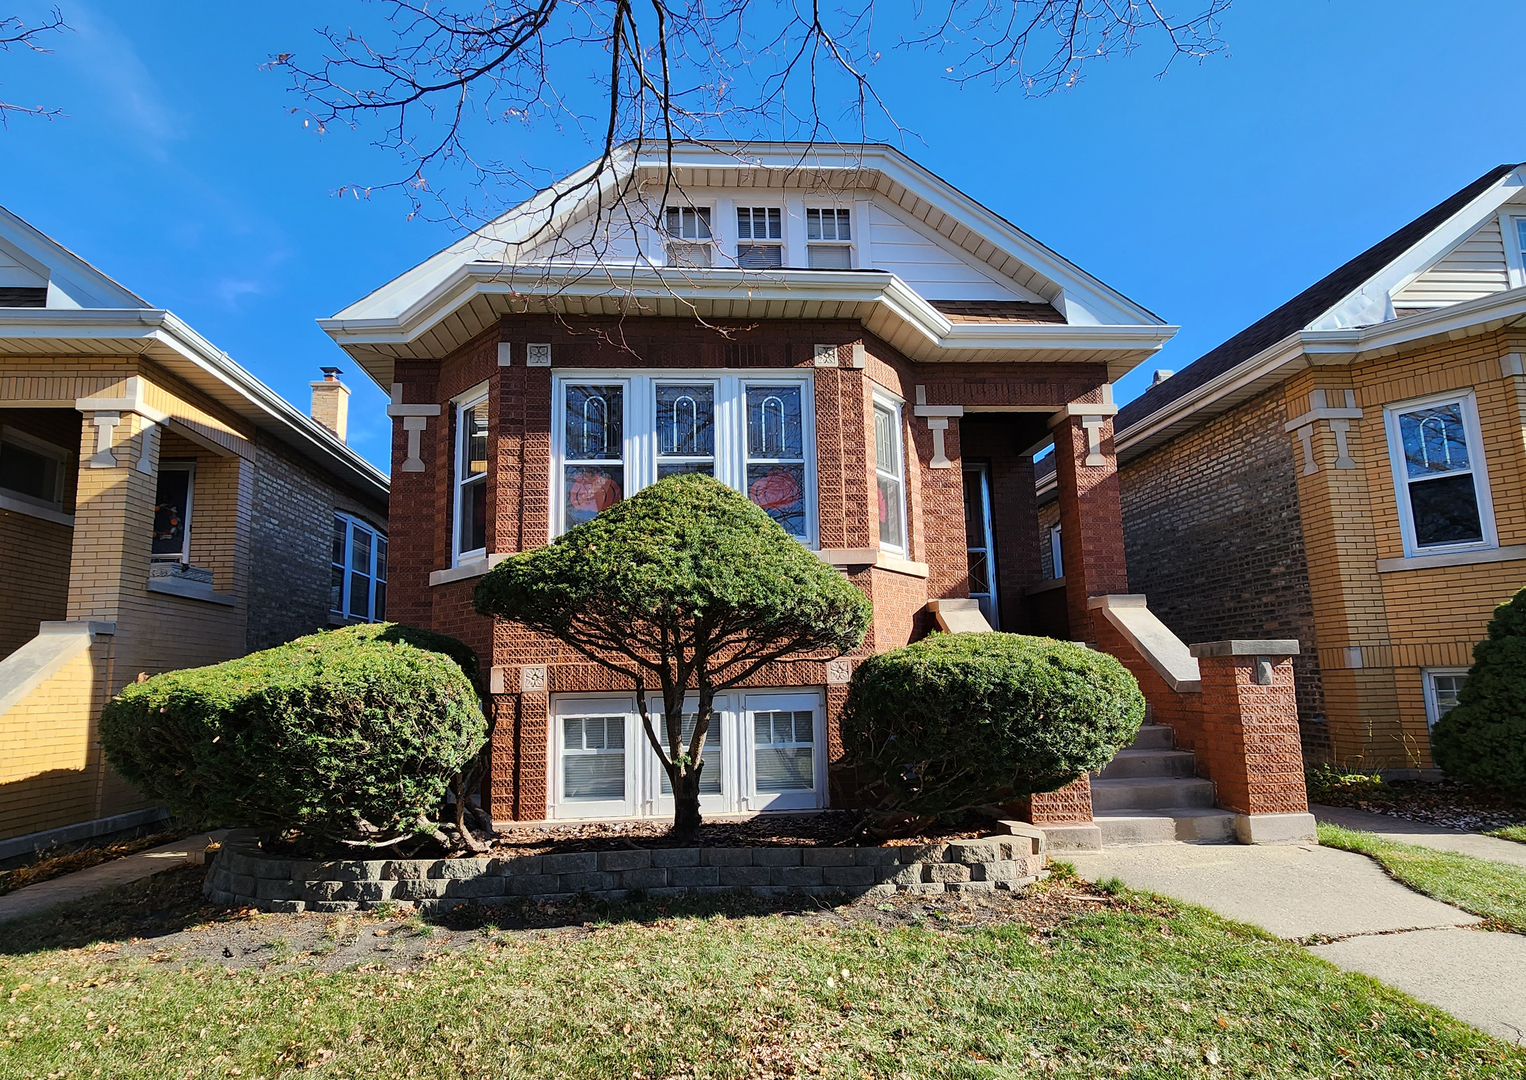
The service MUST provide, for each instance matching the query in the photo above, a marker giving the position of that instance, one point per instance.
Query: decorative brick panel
(1073, 802)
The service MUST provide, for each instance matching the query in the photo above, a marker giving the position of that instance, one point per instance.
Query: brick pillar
(1249, 744)
(1071, 803)
(1091, 517)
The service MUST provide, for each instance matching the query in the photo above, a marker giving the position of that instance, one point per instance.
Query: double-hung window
(1442, 685)
(889, 474)
(358, 571)
(616, 433)
(760, 237)
(1439, 478)
(829, 235)
(172, 512)
(470, 540)
(688, 235)
(1513, 228)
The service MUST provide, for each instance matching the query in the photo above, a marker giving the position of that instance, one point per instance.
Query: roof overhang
(1308, 348)
(473, 298)
(164, 338)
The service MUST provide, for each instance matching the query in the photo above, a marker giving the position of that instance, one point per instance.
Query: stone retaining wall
(242, 874)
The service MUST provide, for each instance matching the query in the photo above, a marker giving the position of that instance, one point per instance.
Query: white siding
(930, 268)
(15, 275)
(1474, 268)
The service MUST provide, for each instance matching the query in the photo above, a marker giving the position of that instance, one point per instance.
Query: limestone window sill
(842, 558)
(1453, 558)
(475, 568)
(190, 590)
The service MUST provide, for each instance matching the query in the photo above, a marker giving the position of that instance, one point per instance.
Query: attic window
(828, 234)
(689, 236)
(756, 227)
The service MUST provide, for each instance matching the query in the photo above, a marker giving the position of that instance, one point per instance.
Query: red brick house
(869, 354)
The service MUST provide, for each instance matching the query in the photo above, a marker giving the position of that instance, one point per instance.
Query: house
(869, 354)
(1348, 471)
(160, 508)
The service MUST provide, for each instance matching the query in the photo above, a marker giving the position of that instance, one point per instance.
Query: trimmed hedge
(367, 723)
(1482, 740)
(962, 720)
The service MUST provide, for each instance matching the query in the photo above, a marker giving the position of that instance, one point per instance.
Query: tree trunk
(686, 819)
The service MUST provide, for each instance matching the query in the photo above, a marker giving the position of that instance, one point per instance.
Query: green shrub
(962, 720)
(364, 724)
(1482, 741)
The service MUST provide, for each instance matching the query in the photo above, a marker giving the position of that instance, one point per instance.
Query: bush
(364, 724)
(962, 720)
(1482, 741)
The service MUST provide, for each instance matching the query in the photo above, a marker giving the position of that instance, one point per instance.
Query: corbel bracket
(1338, 417)
(937, 417)
(414, 418)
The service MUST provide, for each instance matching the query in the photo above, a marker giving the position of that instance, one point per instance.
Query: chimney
(331, 403)
(1161, 375)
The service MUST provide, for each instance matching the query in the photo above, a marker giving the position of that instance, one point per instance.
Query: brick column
(1091, 517)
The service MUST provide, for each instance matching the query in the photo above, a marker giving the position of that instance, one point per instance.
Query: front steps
(1150, 794)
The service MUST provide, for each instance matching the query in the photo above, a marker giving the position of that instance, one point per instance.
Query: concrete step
(1154, 737)
(1170, 825)
(1143, 763)
(1150, 793)
(1072, 836)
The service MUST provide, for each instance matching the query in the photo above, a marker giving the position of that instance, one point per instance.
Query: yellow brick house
(160, 508)
(1350, 470)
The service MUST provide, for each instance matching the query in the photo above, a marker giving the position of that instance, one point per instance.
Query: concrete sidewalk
(1380, 928)
(1417, 832)
(81, 883)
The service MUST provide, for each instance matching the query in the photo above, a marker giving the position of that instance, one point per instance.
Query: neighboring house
(160, 508)
(1349, 471)
(866, 352)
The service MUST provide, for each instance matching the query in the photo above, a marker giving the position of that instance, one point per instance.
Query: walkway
(1351, 913)
(81, 883)
(1405, 831)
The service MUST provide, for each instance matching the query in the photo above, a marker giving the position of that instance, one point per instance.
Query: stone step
(1150, 793)
(1154, 737)
(1145, 763)
(1171, 825)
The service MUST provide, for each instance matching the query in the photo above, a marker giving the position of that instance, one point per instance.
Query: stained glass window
(1440, 485)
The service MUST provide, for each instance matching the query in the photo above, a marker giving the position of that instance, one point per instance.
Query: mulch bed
(1445, 803)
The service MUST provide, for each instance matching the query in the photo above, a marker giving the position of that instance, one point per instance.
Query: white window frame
(1056, 553)
(568, 706)
(785, 701)
(186, 465)
(460, 405)
(779, 242)
(671, 242)
(1477, 467)
(640, 428)
(1432, 704)
(1511, 231)
(378, 537)
(853, 230)
(983, 471)
(882, 400)
(722, 727)
(17, 437)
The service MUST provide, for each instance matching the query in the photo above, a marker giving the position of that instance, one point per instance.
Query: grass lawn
(1496, 891)
(1112, 985)
(1510, 832)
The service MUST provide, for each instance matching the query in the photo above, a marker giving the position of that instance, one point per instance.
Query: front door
(977, 535)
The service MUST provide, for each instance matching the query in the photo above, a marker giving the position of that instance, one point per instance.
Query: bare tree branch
(16, 34)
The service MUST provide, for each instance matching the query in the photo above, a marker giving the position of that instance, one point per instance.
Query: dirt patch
(165, 919)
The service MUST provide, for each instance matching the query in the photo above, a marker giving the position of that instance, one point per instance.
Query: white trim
(1056, 554)
(17, 503)
(1477, 469)
(190, 590)
(994, 594)
(898, 454)
(459, 406)
(378, 537)
(784, 701)
(568, 706)
(1510, 553)
(639, 456)
(1513, 233)
(185, 465)
(1427, 679)
(42, 447)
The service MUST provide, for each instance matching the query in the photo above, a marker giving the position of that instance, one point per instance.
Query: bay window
(619, 432)
(358, 571)
(470, 509)
(1439, 479)
(889, 473)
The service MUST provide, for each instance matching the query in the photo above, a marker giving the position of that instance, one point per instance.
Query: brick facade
(934, 565)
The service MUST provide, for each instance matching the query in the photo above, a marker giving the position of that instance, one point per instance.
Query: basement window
(1442, 685)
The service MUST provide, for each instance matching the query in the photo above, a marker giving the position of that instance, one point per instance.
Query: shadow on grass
(153, 907)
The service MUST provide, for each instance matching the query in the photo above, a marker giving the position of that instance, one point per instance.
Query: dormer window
(689, 236)
(829, 239)
(760, 236)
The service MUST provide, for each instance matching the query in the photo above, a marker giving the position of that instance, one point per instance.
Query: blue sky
(1209, 196)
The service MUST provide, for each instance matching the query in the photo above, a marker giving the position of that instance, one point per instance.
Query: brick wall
(291, 525)
(1214, 539)
(518, 498)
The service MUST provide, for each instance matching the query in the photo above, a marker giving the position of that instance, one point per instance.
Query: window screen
(784, 751)
(593, 757)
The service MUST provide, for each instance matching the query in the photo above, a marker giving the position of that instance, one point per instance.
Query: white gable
(30, 259)
(931, 265)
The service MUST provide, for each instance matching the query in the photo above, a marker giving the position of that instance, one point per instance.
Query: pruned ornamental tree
(1482, 740)
(958, 721)
(684, 586)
